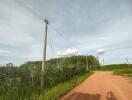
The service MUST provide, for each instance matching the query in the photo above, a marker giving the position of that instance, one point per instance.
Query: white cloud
(5, 53)
(100, 51)
(68, 52)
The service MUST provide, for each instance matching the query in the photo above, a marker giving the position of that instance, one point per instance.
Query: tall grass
(23, 83)
(118, 69)
(122, 72)
(59, 90)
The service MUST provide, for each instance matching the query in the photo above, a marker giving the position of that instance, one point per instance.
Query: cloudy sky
(85, 25)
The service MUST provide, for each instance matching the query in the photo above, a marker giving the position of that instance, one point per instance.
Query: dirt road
(102, 86)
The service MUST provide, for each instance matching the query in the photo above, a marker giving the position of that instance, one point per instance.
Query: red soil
(102, 86)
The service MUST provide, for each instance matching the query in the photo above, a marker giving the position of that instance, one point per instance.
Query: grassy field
(122, 72)
(118, 69)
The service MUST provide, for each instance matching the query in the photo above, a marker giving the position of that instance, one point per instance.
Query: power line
(60, 34)
(23, 4)
(51, 47)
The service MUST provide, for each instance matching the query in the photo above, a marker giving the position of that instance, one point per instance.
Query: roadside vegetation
(62, 74)
(59, 90)
(118, 69)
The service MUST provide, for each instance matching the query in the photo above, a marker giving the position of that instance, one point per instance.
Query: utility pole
(87, 61)
(128, 64)
(103, 61)
(44, 55)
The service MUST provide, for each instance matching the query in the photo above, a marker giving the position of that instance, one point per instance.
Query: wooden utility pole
(87, 61)
(44, 55)
(103, 61)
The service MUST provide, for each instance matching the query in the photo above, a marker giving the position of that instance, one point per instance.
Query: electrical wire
(23, 4)
(60, 34)
(51, 47)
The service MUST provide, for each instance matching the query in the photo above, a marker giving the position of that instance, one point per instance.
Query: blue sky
(86, 25)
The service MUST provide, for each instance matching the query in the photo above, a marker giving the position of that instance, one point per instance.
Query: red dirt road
(102, 86)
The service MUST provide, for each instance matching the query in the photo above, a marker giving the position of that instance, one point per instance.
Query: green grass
(117, 69)
(122, 72)
(56, 92)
